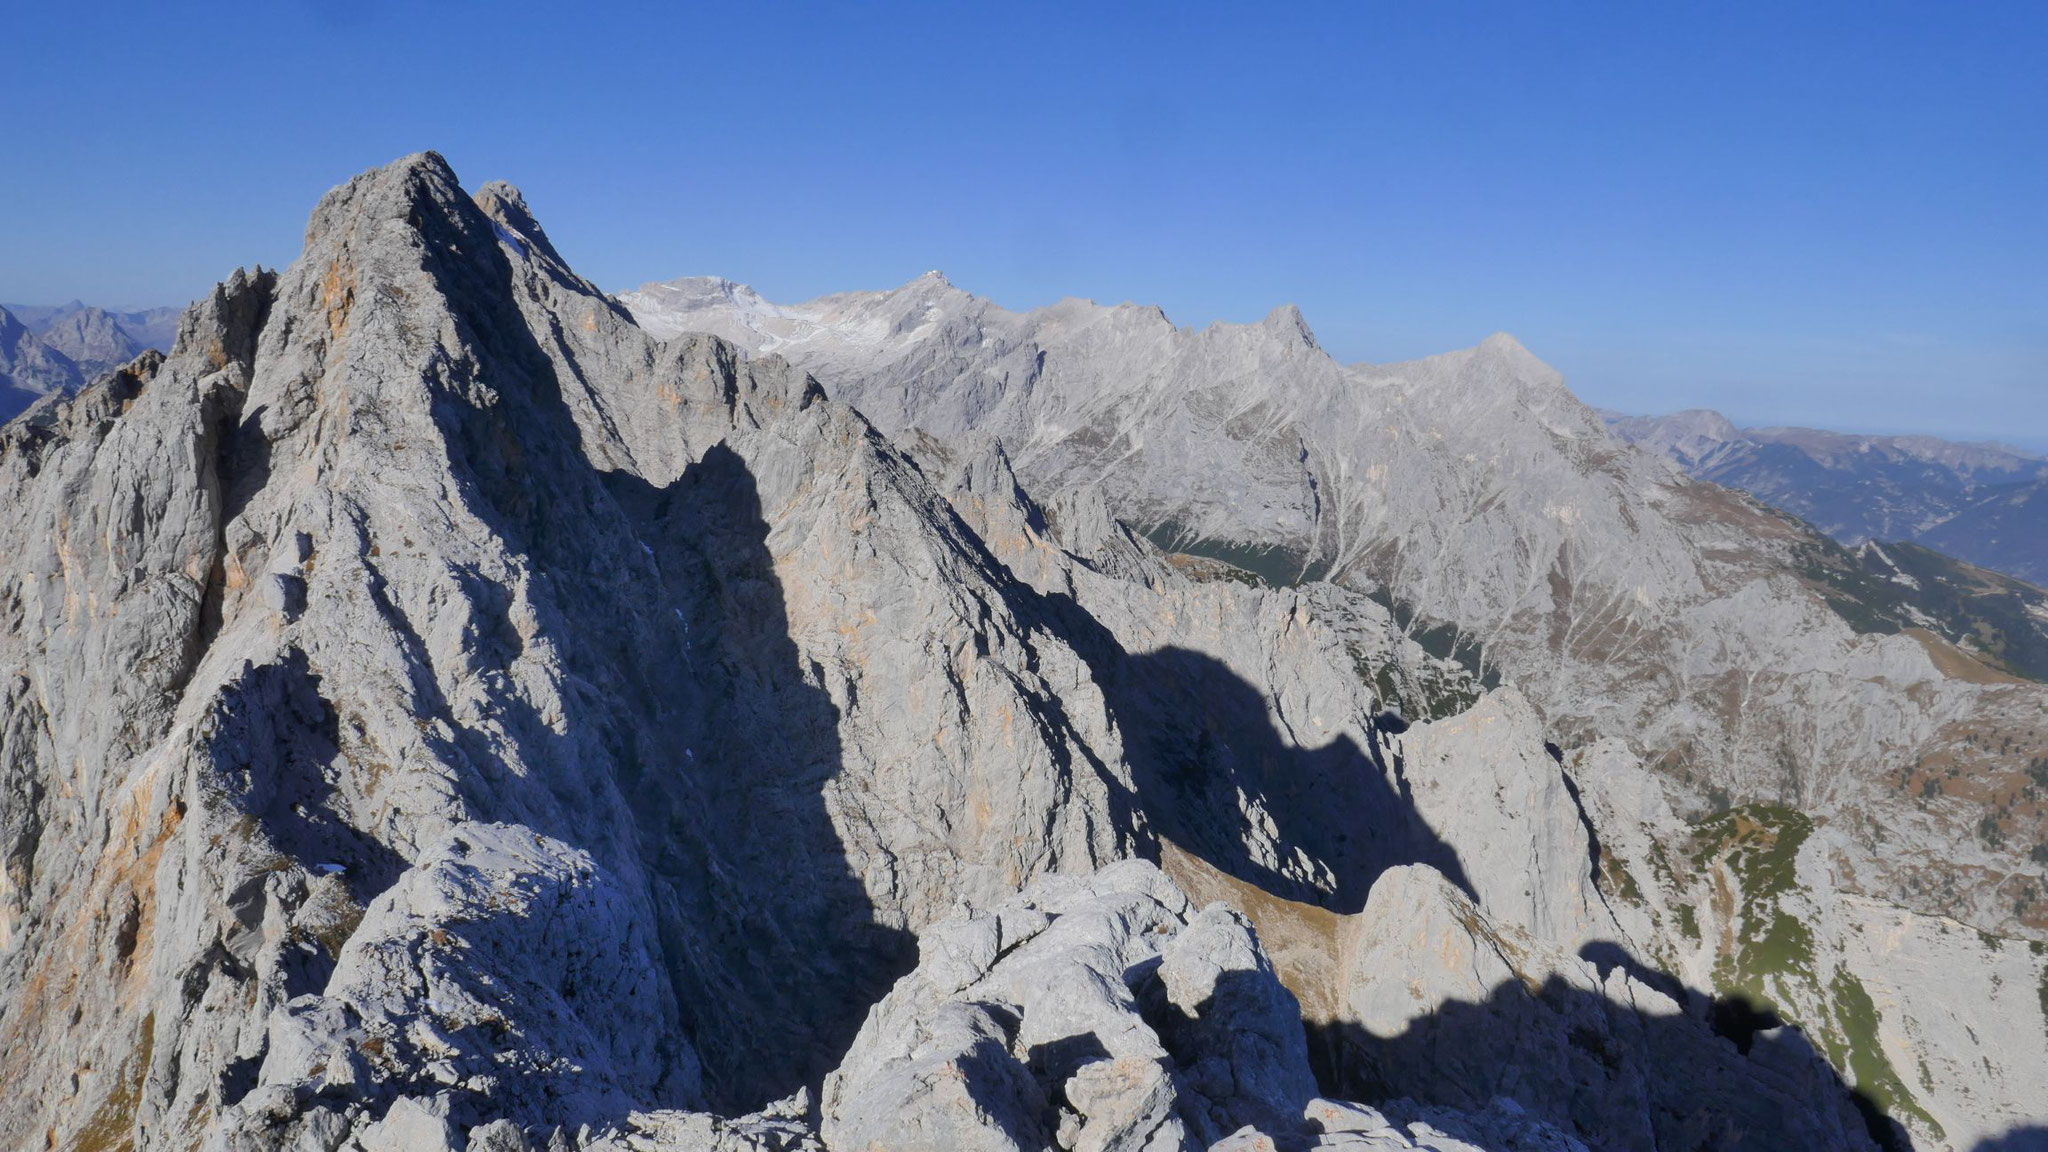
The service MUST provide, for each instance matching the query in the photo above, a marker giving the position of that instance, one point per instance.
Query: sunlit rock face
(443, 711)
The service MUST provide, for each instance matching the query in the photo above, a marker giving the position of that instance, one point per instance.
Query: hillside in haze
(1984, 503)
(45, 350)
(450, 707)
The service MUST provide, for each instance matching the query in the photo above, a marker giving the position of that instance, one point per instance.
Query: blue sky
(1833, 214)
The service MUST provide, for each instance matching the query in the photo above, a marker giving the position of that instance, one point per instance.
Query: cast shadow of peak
(1611, 1075)
(776, 949)
(692, 753)
(277, 745)
(1205, 754)
(1606, 956)
(2032, 1138)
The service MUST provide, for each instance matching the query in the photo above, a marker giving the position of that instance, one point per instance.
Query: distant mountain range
(45, 349)
(1985, 503)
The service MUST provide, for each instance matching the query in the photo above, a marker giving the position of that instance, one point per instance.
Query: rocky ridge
(441, 713)
(1473, 493)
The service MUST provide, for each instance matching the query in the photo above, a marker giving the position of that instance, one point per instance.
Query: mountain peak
(399, 190)
(1507, 354)
(932, 281)
(514, 222)
(1504, 344)
(1287, 320)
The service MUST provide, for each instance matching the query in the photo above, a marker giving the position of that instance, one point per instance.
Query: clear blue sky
(1835, 215)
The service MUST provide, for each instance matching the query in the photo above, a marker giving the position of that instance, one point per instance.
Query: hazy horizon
(2037, 445)
(1826, 218)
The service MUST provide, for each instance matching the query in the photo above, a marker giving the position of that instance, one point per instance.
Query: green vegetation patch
(1984, 611)
(112, 1127)
(1859, 1050)
(1617, 880)
(1772, 959)
(1429, 693)
(1384, 683)
(1759, 845)
(1270, 565)
(1689, 922)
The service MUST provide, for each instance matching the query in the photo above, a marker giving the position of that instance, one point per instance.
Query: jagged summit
(1287, 320)
(393, 192)
(507, 208)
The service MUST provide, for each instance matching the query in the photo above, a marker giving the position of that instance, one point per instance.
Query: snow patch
(514, 239)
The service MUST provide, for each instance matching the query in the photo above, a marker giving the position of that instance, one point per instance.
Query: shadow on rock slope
(2028, 1139)
(686, 678)
(1617, 1077)
(775, 939)
(1207, 761)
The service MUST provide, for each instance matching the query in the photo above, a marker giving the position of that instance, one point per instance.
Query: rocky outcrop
(1488, 1011)
(503, 971)
(422, 533)
(1108, 1013)
(1096, 1014)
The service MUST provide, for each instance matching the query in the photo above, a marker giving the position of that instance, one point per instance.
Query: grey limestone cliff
(1743, 659)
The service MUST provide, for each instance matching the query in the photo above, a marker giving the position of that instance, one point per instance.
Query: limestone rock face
(1733, 647)
(1588, 1026)
(504, 970)
(422, 533)
(1099, 1014)
(1696, 651)
(437, 712)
